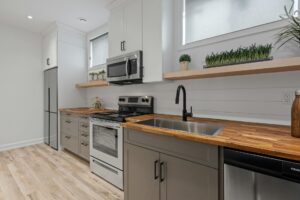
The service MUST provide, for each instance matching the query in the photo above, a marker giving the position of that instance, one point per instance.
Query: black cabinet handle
(121, 45)
(84, 144)
(124, 45)
(48, 61)
(162, 173)
(155, 169)
(84, 135)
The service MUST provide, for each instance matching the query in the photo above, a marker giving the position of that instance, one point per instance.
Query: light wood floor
(39, 172)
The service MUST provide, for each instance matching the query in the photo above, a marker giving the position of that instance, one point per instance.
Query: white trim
(5, 147)
(271, 26)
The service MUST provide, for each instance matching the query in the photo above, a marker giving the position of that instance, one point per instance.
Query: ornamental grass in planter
(241, 55)
(291, 32)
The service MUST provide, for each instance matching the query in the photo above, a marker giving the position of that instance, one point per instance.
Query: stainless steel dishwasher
(249, 176)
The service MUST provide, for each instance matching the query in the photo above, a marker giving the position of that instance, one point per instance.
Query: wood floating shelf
(279, 65)
(89, 84)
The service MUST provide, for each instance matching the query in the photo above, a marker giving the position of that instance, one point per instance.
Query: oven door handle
(126, 67)
(109, 127)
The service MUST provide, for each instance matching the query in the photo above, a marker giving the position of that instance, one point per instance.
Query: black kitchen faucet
(185, 114)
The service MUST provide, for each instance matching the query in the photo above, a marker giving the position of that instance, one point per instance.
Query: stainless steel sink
(192, 127)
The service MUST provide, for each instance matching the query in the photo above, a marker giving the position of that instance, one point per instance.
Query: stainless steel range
(106, 139)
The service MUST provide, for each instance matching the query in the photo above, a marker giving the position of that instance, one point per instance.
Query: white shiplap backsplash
(253, 98)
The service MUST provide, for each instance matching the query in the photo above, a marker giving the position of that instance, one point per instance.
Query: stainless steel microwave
(125, 69)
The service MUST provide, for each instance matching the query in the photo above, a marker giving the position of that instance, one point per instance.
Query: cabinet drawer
(84, 150)
(194, 151)
(85, 126)
(70, 142)
(84, 135)
(69, 124)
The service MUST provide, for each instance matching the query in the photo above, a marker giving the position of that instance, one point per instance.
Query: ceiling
(45, 12)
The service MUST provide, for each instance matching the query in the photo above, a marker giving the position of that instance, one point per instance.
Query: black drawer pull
(162, 173)
(155, 169)
(84, 144)
(84, 135)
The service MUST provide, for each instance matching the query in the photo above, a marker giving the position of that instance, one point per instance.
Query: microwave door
(117, 71)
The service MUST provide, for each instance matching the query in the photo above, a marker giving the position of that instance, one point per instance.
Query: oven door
(106, 142)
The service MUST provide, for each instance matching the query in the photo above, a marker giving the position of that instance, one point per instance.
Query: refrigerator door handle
(49, 99)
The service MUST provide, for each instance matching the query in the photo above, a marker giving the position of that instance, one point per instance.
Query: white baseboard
(5, 147)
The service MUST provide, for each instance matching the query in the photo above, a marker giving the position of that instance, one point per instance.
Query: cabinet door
(46, 91)
(52, 83)
(116, 31)
(53, 131)
(46, 127)
(183, 179)
(133, 25)
(141, 178)
(50, 50)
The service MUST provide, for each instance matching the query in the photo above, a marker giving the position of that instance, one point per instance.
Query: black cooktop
(115, 115)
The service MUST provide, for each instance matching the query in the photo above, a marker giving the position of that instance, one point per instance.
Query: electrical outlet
(287, 97)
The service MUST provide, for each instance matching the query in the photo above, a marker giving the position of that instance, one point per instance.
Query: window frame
(179, 6)
(100, 66)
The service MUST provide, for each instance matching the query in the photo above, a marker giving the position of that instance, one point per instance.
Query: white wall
(256, 98)
(21, 83)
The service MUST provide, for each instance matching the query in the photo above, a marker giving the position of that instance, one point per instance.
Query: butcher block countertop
(83, 111)
(273, 140)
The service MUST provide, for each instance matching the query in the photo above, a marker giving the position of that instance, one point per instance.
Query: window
(204, 19)
(98, 51)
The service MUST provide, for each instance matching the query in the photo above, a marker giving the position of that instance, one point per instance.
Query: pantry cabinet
(50, 49)
(158, 167)
(125, 28)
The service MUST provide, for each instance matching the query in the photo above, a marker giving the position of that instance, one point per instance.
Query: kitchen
(137, 99)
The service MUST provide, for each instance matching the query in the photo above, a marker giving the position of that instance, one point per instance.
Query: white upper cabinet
(125, 28)
(158, 33)
(116, 32)
(50, 50)
(148, 26)
(133, 25)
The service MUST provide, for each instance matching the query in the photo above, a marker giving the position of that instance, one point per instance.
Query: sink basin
(191, 127)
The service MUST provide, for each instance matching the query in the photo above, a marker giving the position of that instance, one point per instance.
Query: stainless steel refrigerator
(51, 108)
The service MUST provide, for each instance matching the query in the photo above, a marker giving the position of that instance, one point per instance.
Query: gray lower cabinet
(75, 134)
(187, 180)
(140, 182)
(155, 170)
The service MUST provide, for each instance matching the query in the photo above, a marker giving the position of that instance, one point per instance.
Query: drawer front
(84, 136)
(84, 150)
(84, 126)
(70, 142)
(69, 124)
(194, 151)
